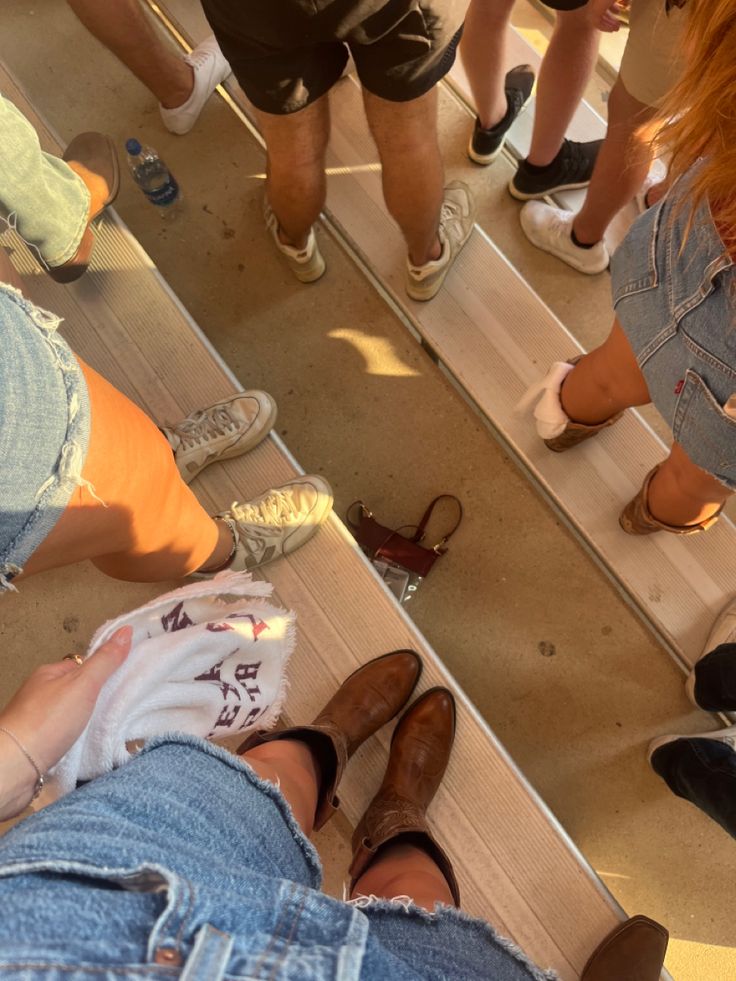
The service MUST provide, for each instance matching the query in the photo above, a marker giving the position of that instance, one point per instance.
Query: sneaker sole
(247, 442)
(569, 261)
(538, 195)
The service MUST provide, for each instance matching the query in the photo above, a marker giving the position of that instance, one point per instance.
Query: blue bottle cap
(133, 147)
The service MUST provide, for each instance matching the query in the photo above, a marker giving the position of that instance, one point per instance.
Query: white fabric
(548, 412)
(207, 659)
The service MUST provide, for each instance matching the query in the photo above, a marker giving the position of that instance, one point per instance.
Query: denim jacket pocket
(704, 430)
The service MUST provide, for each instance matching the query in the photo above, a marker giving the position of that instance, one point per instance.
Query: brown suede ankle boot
(577, 432)
(632, 951)
(420, 751)
(637, 519)
(365, 701)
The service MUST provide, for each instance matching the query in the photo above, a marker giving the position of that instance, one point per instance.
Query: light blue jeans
(44, 428)
(677, 307)
(183, 863)
(40, 196)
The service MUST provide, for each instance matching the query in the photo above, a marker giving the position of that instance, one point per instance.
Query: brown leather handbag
(399, 557)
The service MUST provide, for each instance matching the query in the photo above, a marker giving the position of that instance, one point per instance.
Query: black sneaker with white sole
(486, 144)
(572, 168)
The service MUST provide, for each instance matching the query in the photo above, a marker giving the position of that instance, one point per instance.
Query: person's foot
(274, 524)
(637, 519)
(571, 169)
(368, 699)
(726, 736)
(550, 229)
(456, 223)
(307, 264)
(220, 431)
(711, 685)
(209, 69)
(420, 751)
(93, 159)
(486, 144)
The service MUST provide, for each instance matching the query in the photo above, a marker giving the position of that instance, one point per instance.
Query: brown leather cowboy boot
(420, 751)
(96, 163)
(365, 701)
(577, 432)
(632, 951)
(637, 519)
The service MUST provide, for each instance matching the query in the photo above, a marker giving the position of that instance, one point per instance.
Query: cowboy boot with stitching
(365, 701)
(94, 152)
(632, 951)
(577, 432)
(420, 751)
(637, 519)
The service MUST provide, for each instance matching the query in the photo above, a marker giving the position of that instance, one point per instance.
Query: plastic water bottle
(154, 178)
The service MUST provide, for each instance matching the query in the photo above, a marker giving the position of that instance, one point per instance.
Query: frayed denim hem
(54, 493)
(308, 850)
(375, 906)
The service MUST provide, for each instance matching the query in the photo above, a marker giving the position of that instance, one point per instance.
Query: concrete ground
(554, 659)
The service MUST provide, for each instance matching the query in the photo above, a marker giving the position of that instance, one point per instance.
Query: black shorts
(287, 53)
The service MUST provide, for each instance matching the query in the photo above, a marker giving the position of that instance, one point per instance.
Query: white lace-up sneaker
(457, 217)
(223, 430)
(276, 523)
(210, 68)
(307, 264)
(550, 230)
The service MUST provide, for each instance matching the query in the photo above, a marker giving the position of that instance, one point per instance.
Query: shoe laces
(204, 426)
(271, 510)
(449, 211)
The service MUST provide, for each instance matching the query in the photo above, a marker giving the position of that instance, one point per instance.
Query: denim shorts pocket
(636, 265)
(705, 431)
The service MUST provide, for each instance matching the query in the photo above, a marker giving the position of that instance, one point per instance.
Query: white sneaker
(221, 431)
(727, 736)
(307, 264)
(276, 523)
(210, 68)
(457, 217)
(550, 230)
(723, 631)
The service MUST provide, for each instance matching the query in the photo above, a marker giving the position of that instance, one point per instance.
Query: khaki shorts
(651, 61)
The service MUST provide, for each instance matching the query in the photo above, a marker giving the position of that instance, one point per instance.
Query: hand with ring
(48, 714)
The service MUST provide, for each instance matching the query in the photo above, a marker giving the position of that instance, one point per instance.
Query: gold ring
(77, 658)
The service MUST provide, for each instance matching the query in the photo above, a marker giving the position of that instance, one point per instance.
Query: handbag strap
(439, 548)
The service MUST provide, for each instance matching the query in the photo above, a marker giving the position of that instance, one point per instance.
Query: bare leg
(483, 51)
(296, 146)
(680, 493)
(566, 68)
(125, 30)
(405, 870)
(608, 380)
(604, 382)
(621, 166)
(413, 175)
(291, 766)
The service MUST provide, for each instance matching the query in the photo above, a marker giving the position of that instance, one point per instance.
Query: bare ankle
(180, 90)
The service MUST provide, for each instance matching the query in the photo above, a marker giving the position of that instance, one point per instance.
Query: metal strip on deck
(516, 865)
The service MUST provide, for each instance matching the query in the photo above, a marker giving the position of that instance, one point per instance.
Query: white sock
(551, 419)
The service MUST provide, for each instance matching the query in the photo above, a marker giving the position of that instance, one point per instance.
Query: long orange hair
(698, 118)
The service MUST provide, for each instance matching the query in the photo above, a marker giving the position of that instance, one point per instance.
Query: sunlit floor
(361, 402)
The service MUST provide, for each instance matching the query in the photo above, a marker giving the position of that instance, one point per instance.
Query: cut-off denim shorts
(44, 428)
(677, 306)
(183, 863)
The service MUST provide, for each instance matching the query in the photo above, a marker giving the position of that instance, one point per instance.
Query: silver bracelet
(39, 776)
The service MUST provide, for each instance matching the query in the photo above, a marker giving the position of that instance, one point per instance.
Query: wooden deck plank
(515, 864)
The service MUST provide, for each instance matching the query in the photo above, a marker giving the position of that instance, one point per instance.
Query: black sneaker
(486, 144)
(572, 168)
